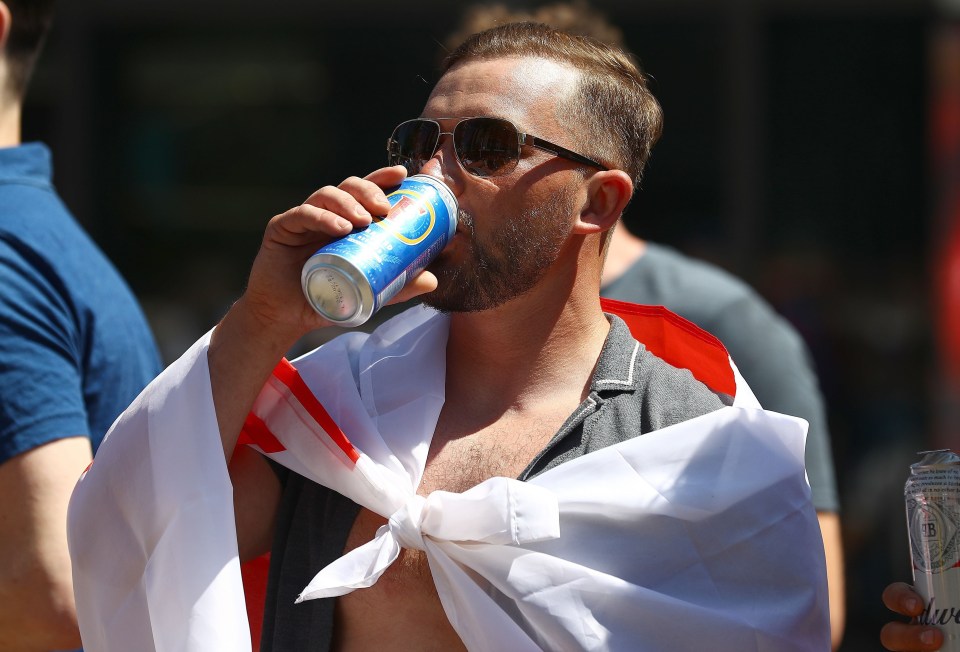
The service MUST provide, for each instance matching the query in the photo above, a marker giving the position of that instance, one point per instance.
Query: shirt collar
(616, 368)
(28, 162)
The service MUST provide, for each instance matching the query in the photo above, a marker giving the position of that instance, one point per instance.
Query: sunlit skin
(546, 327)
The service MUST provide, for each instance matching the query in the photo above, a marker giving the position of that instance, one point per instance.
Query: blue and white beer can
(350, 279)
(932, 494)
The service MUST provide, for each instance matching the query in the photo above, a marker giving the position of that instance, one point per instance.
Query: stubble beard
(506, 264)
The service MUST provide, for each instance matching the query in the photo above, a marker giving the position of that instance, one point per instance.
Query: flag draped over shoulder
(697, 535)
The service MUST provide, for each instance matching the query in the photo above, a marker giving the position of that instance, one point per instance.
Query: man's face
(512, 228)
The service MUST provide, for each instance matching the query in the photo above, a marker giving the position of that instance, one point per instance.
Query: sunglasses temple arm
(562, 152)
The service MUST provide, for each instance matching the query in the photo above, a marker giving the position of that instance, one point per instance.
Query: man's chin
(461, 300)
(450, 302)
(443, 304)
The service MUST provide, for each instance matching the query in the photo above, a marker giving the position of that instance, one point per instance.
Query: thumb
(420, 284)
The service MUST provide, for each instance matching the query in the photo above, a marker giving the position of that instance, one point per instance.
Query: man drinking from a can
(512, 466)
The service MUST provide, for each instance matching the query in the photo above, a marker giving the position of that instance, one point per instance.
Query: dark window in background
(847, 108)
(216, 132)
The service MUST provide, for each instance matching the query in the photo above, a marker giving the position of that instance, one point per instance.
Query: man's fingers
(901, 637)
(355, 199)
(904, 637)
(342, 202)
(306, 224)
(903, 599)
(387, 177)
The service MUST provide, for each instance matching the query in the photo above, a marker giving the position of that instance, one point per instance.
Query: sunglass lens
(412, 144)
(486, 147)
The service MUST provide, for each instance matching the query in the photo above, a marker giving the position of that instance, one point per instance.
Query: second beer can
(348, 280)
(932, 494)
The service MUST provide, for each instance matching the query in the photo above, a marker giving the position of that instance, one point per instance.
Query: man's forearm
(273, 313)
(243, 352)
(833, 549)
(35, 582)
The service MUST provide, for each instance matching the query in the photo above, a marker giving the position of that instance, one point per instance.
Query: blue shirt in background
(75, 348)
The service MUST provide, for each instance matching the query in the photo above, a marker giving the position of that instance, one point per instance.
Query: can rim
(941, 457)
(357, 283)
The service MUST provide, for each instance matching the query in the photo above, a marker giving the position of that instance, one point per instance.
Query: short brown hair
(620, 119)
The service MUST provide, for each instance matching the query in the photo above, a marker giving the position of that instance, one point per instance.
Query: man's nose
(443, 164)
(434, 165)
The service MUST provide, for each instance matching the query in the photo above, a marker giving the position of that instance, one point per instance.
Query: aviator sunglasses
(485, 147)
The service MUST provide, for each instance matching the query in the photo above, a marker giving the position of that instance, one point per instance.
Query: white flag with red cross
(697, 535)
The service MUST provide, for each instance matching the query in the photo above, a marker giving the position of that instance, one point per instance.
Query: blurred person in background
(75, 349)
(769, 352)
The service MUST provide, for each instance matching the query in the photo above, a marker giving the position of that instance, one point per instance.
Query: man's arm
(256, 497)
(156, 487)
(36, 587)
(833, 550)
(269, 318)
(273, 314)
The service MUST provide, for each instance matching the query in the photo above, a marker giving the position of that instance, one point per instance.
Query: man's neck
(11, 108)
(10, 135)
(525, 352)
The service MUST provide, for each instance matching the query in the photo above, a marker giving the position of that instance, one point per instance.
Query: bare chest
(457, 463)
(404, 599)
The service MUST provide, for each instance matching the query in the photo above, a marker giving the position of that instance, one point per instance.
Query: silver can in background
(932, 494)
(350, 279)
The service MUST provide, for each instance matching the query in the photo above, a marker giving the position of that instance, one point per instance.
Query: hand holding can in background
(901, 598)
(932, 495)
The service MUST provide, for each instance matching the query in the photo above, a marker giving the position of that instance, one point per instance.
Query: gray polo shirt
(769, 352)
(632, 392)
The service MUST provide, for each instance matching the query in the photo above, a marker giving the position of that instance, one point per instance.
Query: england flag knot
(405, 523)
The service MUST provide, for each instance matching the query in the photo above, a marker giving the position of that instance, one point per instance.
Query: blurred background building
(811, 146)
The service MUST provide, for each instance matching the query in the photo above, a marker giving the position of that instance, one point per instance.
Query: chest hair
(457, 462)
(504, 449)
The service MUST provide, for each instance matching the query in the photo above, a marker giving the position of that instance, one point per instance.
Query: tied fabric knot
(405, 523)
(498, 511)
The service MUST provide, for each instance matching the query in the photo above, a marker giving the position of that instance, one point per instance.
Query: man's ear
(608, 193)
(5, 22)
